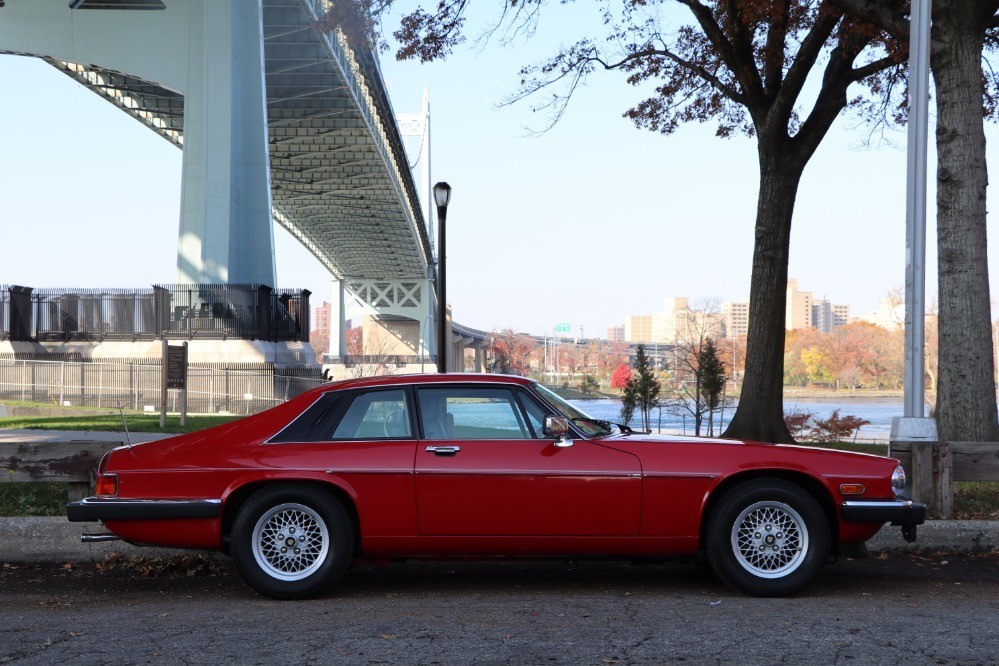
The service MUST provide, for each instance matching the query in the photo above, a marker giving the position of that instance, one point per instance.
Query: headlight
(898, 481)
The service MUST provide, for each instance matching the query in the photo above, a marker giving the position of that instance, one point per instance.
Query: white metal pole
(915, 208)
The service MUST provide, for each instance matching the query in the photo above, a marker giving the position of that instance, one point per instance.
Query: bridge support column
(480, 357)
(226, 233)
(338, 322)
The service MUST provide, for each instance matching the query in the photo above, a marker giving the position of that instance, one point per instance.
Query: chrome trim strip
(99, 538)
(884, 504)
(407, 471)
(528, 472)
(682, 475)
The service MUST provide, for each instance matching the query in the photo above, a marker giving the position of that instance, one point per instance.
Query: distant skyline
(588, 223)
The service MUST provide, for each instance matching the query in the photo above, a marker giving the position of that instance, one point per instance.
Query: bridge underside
(340, 180)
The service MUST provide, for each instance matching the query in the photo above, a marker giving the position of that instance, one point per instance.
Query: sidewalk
(55, 539)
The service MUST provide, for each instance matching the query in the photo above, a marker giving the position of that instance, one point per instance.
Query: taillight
(107, 485)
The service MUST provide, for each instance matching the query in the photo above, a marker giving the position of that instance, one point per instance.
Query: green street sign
(563, 327)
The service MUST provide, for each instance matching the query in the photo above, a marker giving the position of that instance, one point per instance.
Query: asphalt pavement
(890, 609)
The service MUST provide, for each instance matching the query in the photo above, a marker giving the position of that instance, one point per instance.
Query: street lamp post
(442, 197)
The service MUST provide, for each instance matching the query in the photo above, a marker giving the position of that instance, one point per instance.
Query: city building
(615, 334)
(798, 313)
(736, 318)
(890, 314)
(319, 337)
(638, 328)
(827, 317)
(678, 321)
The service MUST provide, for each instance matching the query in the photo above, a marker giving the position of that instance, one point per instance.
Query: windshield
(590, 426)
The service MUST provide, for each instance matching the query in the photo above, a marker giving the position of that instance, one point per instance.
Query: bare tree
(695, 328)
(373, 350)
(742, 64)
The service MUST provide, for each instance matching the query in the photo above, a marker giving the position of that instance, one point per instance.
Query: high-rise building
(827, 317)
(615, 333)
(319, 337)
(638, 328)
(736, 318)
(798, 313)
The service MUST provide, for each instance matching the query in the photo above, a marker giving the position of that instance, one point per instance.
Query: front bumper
(903, 513)
(898, 512)
(117, 508)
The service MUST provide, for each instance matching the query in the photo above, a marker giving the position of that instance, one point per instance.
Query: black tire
(786, 552)
(280, 519)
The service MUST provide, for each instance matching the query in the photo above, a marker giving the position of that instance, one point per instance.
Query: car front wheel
(291, 542)
(768, 538)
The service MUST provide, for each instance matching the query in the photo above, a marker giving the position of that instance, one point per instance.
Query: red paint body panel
(527, 487)
(617, 495)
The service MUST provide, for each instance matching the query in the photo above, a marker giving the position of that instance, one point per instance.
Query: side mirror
(557, 427)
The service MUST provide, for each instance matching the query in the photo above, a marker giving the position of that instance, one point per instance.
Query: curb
(54, 539)
(959, 536)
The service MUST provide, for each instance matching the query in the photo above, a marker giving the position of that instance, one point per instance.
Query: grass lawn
(137, 422)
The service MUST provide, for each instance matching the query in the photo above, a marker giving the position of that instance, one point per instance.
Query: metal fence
(244, 389)
(219, 312)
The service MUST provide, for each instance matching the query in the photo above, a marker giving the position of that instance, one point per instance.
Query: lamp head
(442, 194)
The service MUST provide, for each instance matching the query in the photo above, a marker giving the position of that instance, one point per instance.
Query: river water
(879, 411)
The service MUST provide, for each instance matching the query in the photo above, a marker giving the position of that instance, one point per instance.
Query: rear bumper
(905, 513)
(114, 508)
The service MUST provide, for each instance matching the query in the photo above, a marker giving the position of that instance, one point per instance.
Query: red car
(444, 466)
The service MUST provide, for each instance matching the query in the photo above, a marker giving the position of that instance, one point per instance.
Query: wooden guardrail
(73, 462)
(933, 466)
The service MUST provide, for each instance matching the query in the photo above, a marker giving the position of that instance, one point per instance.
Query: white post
(338, 320)
(915, 209)
(913, 425)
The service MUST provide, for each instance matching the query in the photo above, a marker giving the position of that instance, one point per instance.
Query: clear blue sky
(588, 223)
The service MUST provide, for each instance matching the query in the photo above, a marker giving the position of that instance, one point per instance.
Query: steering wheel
(396, 418)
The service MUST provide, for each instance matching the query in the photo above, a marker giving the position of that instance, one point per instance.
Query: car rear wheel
(291, 541)
(768, 538)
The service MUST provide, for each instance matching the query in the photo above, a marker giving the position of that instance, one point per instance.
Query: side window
(313, 424)
(471, 413)
(375, 415)
(535, 413)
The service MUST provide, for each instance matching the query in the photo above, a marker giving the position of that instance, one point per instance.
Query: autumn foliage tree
(621, 376)
(512, 351)
(740, 64)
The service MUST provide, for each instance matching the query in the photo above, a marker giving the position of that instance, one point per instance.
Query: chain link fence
(210, 390)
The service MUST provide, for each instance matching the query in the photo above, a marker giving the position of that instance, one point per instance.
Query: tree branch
(860, 73)
(773, 54)
(808, 53)
(890, 16)
(745, 73)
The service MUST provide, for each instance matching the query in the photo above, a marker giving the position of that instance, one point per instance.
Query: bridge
(280, 119)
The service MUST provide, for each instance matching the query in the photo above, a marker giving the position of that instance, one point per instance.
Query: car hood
(642, 440)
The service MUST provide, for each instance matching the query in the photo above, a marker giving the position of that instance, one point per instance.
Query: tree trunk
(966, 388)
(760, 414)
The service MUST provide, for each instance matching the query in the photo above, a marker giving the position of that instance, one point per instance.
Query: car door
(483, 468)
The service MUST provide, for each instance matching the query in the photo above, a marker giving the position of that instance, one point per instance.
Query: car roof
(450, 377)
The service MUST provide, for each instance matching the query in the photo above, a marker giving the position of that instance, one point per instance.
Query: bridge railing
(218, 312)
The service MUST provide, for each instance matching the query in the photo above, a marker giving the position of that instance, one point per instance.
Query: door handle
(443, 450)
